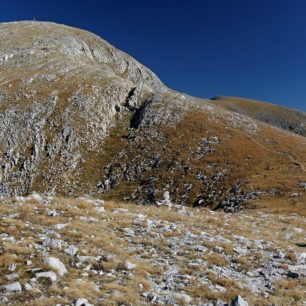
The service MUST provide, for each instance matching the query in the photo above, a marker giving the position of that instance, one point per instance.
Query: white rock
(99, 203)
(56, 265)
(238, 301)
(53, 243)
(298, 230)
(181, 210)
(166, 200)
(183, 297)
(60, 226)
(82, 302)
(52, 212)
(88, 258)
(221, 303)
(279, 254)
(301, 257)
(240, 250)
(100, 209)
(36, 196)
(50, 275)
(120, 211)
(129, 232)
(88, 219)
(139, 218)
(12, 287)
(27, 286)
(129, 265)
(71, 250)
(12, 276)
(12, 267)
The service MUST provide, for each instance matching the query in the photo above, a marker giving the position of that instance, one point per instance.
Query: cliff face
(81, 117)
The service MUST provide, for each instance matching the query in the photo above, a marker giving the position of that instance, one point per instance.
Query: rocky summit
(87, 132)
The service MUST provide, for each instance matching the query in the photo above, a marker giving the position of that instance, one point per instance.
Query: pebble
(129, 265)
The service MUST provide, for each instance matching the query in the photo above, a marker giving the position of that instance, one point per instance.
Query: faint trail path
(302, 166)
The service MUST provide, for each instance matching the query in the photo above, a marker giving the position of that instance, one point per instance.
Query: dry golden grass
(243, 262)
(105, 236)
(253, 159)
(215, 260)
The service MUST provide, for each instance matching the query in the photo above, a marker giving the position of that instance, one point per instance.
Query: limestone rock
(82, 302)
(238, 301)
(49, 275)
(13, 287)
(56, 265)
(129, 265)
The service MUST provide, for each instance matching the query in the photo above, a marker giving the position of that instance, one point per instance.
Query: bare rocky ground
(63, 251)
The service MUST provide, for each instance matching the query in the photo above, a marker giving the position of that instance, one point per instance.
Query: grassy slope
(266, 160)
(278, 116)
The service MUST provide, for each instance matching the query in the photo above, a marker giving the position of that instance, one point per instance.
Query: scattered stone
(183, 297)
(52, 212)
(166, 200)
(49, 275)
(238, 301)
(53, 243)
(27, 287)
(12, 267)
(13, 287)
(82, 302)
(129, 265)
(60, 226)
(221, 303)
(56, 265)
(279, 255)
(11, 277)
(71, 250)
(36, 196)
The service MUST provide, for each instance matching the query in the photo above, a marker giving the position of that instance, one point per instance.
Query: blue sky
(254, 49)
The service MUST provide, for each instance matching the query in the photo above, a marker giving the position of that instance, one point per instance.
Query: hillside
(281, 117)
(81, 117)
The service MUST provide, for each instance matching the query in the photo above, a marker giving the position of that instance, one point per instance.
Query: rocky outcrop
(61, 90)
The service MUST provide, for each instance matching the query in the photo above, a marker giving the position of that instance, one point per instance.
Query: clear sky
(247, 48)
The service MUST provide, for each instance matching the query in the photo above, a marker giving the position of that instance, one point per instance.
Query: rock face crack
(139, 115)
(128, 99)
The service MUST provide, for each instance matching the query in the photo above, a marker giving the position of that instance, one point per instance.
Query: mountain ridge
(80, 117)
(279, 116)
